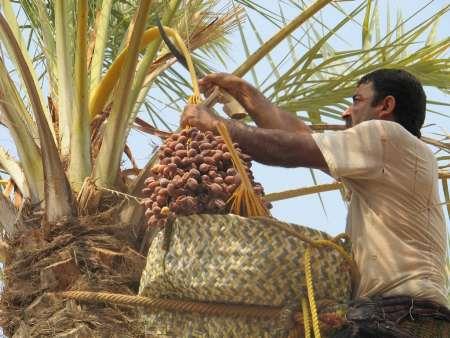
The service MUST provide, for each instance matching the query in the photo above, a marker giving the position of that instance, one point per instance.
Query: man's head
(388, 94)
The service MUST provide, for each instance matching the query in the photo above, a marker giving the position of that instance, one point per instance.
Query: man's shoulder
(384, 126)
(371, 127)
(399, 142)
(398, 135)
(391, 131)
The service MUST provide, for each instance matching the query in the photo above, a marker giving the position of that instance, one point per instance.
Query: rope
(310, 289)
(309, 280)
(306, 323)
(324, 242)
(209, 309)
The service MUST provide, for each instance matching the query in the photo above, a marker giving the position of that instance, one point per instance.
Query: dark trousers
(396, 317)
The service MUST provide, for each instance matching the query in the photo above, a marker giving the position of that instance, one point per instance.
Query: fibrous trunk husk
(94, 253)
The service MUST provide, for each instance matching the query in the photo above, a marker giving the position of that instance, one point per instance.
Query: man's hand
(231, 83)
(247, 95)
(197, 115)
(262, 111)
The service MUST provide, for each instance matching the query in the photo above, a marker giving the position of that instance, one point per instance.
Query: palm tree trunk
(93, 253)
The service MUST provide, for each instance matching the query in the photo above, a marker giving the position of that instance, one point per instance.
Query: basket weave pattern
(231, 259)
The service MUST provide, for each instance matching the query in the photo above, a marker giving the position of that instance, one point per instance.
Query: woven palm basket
(236, 260)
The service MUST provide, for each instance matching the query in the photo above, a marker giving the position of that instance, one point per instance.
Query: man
(395, 220)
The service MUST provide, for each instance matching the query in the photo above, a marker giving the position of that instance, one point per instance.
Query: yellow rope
(323, 242)
(310, 289)
(204, 308)
(309, 279)
(209, 309)
(340, 236)
(306, 323)
(337, 247)
(347, 257)
(307, 261)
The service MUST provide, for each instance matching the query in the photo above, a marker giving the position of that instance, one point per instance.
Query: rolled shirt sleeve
(354, 153)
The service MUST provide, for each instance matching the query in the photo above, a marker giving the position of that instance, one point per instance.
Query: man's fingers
(187, 115)
(206, 86)
(223, 80)
(184, 121)
(207, 90)
(227, 82)
(205, 82)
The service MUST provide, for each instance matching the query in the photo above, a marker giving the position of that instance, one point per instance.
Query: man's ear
(387, 109)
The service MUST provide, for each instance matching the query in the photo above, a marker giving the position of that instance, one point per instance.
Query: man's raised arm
(268, 146)
(263, 112)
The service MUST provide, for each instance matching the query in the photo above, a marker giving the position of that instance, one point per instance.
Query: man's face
(361, 110)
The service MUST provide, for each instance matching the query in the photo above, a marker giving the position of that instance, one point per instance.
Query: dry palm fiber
(90, 253)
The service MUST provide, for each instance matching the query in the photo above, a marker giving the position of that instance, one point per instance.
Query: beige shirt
(395, 219)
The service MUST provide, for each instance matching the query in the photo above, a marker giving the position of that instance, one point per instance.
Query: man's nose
(346, 113)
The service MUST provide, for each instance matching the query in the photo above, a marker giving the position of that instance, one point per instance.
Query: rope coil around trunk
(209, 309)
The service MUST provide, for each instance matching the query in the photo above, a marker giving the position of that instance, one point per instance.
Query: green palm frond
(57, 190)
(107, 162)
(23, 131)
(322, 84)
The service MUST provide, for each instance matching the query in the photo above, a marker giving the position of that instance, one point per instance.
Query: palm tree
(69, 216)
(70, 204)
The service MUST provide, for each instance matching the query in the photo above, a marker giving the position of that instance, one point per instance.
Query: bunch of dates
(194, 175)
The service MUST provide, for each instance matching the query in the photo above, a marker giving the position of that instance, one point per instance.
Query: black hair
(410, 98)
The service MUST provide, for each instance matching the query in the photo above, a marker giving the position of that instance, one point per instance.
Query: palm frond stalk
(58, 196)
